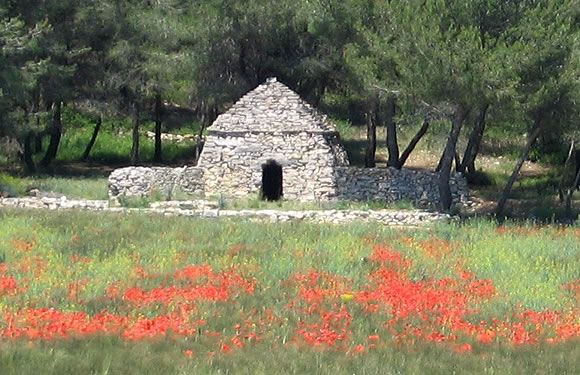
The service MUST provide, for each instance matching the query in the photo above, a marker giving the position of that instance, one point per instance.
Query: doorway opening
(271, 181)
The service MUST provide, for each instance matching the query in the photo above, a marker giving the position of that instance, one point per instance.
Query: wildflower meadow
(134, 294)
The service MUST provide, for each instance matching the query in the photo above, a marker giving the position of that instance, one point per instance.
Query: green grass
(71, 187)
(542, 261)
(527, 264)
(113, 357)
(284, 205)
(113, 144)
(114, 149)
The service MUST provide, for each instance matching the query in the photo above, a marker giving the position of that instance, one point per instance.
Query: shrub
(135, 202)
(11, 186)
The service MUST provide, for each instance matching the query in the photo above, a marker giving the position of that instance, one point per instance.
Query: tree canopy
(385, 61)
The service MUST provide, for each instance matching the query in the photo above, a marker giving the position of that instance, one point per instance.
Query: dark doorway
(271, 181)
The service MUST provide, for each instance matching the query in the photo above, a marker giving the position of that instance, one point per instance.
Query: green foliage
(113, 143)
(112, 59)
(135, 202)
(11, 186)
(346, 129)
(19, 67)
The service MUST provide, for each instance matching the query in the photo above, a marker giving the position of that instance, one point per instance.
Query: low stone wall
(342, 183)
(207, 209)
(393, 185)
(142, 181)
(61, 203)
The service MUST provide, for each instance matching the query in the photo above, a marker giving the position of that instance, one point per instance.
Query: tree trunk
(91, 143)
(38, 143)
(448, 155)
(457, 160)
(392, 144)
(208, 116)
(531, 139)
(38, 138)
(27, 154)
(158, 122)
(371, 138)
(577, 156)
(135, 146)
(440, 164)
(413, 143)
(568, 210)
(563, 177)
(474, 142)
(198, 145)
(55, 135)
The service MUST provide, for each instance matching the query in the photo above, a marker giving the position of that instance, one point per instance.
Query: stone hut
(272, 143)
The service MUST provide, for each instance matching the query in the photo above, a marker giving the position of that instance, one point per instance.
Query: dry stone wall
(272, 106)
(392, 185)
(143, 182)
(302, 182)
(272, 122)
(207, 209)
(233, 164)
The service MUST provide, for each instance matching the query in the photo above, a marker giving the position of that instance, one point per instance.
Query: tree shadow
(179, 117)
(101, 164)
(355, 149)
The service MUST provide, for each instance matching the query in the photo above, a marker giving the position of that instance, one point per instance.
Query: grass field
(111, 294)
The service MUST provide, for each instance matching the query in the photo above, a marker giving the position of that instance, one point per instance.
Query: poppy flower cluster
(312, 308)
(440, 310)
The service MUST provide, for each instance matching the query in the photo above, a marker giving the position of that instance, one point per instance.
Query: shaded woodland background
(470, 73)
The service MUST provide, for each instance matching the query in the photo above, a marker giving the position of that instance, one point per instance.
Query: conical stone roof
(272, 108)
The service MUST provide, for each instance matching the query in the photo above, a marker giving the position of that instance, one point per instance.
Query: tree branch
(388, 91)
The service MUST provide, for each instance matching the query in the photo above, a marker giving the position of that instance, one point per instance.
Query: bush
(11, 186)
(135, 202)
